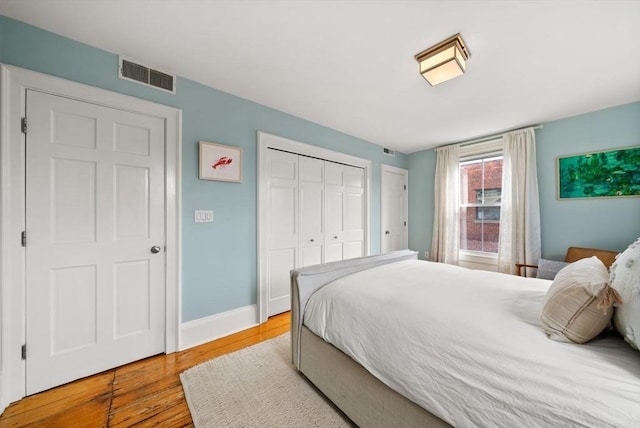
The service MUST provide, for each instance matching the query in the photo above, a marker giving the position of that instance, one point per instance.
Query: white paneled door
(312, 209)
(335, 190)
(394, 204)
(344, 186)
(95, 226)
(311, 185)
(282, 246)
(354, 212)
(315, 214)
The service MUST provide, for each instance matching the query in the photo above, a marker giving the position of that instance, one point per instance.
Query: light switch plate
(203, 216)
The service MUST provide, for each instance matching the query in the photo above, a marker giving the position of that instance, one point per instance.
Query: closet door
(288, 190)
(282, 247)
(311, 191)
(344, 196)
(334, 187)
(353, 233)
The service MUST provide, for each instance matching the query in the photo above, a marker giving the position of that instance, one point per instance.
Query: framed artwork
(609, 173)
(219, 162)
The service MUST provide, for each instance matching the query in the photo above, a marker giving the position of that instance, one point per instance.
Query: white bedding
(469, 347)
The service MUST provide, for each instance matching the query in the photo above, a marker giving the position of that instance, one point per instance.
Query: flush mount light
(443, 61)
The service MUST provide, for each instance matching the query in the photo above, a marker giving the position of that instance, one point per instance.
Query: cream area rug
(256, 387)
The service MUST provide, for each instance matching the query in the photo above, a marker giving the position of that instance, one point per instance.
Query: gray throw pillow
(547, 269)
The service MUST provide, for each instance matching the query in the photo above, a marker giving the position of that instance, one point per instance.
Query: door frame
(266, 141)
(405, 173)
(14, 82)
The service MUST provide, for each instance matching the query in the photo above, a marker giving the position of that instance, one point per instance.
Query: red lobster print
(223, 161)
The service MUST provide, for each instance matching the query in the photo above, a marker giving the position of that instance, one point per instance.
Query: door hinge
(405, 187)
(405, 224)
(23, 238)
(24, 351)
(23, 125)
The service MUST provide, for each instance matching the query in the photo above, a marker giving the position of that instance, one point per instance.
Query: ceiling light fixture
(443, 61)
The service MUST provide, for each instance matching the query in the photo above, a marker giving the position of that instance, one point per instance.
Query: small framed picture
(219, 162)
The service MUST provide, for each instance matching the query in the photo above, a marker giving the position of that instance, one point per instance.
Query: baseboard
(203, 330)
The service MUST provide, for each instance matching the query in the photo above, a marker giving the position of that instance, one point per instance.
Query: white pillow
(625, 278)
(577, 306)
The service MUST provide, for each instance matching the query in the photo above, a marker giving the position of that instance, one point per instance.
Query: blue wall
(219, 259)
(422, 167)
(609, 223)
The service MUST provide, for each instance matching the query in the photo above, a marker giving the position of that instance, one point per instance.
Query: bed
(392, 343)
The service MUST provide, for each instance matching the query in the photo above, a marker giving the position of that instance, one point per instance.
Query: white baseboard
(203, 330)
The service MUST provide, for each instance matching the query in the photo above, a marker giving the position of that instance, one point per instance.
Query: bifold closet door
(344, 195)
(353, 234)
(282, 246)
(316, 215)
(311, 193)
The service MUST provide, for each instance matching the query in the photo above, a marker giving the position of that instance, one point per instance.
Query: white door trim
(14, 82)
(266, 141)
(405, 173)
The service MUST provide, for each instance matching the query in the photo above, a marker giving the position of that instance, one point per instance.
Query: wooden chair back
(577, 253)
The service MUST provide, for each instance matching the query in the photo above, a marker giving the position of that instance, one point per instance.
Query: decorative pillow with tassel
(579, 304)
(625, 278)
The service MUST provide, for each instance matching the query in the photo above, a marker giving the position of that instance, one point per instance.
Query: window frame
(485, 205)
(473, 152)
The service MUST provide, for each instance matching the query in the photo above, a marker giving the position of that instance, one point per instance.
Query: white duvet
(469, 347)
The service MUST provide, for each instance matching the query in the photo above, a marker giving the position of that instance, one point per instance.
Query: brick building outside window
(481, 192)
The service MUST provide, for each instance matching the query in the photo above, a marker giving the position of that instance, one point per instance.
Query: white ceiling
(349, 65)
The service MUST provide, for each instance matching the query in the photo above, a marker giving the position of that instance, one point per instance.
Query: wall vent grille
(388, 151)
(148, 76)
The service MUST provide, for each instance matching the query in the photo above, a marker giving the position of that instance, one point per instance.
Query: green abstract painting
(611, 173)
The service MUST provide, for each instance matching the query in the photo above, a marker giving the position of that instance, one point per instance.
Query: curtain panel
(446, 220)
(519, 240)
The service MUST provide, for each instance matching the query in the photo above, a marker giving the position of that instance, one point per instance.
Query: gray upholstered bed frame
(361, 396)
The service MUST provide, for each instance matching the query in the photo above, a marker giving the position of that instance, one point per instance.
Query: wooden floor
(144, 393)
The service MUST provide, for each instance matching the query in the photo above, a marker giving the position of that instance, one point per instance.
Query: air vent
(130, 70)
(388, 152)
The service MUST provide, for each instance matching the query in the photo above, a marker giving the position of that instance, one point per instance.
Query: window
(490, 197)
(481, 193)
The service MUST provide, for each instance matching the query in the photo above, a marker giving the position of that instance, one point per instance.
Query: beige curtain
(519, 240)
(446, 223)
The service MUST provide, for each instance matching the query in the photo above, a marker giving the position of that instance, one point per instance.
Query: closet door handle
(311, 240)
(335, 237)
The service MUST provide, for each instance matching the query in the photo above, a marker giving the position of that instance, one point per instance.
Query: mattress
(468, 346)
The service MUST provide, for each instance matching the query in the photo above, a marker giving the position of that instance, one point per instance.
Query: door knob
(386, 232)
(311, 240)
(155, 249)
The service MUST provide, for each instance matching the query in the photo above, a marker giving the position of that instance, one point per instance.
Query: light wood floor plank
(142, 394)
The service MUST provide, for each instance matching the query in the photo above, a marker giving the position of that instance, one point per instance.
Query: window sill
(478, 260)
